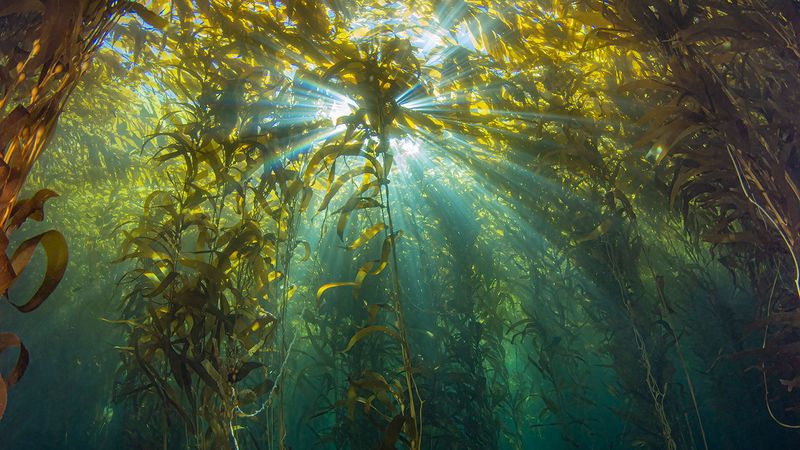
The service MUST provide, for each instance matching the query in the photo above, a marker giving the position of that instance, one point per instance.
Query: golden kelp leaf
(368, 234)
(149, 17)
(369, 330)
(374, 185)
(163, 285)
(388, 245)
(375, 267)
(292, 190)
(351, 401)
(344, 66)
(130, 323)
(354, 203)
(596, 233)
(591, 18)
(55, 247)
(329, 152)
(308, 194)
(336, 185)
(325, 287)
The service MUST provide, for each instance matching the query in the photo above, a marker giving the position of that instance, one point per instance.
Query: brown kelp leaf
(31, 208)
(163, 285)
(645, 84)
(550, 404)
(149, 17)
(265, 386)
(730, 238)
(242, 372)
(369, 330)
(7, 275)
(55, 247)
(246, 397)
(393, 432)
(18, 7)
(662, 298)
(190, 297)
(11, 340)
(381, 389)
(202, 371)
(17, 119)
(3, 396)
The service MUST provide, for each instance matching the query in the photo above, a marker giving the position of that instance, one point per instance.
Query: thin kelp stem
(772, 221)
(413, 394)
(678, 349)
(657, 394)
(237, 411)
(291, 243)
(764, 367)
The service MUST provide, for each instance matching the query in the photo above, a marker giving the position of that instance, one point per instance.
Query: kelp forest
(400, 224)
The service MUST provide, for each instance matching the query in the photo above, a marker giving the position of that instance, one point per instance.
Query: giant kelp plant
(433, 224)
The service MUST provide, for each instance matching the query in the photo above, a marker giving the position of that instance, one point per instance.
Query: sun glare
(336, 110)
(405, 150)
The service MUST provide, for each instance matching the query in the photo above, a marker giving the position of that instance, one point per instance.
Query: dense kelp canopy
(438, 224)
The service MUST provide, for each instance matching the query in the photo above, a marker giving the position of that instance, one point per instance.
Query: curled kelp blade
(55, 247)
(9, 341)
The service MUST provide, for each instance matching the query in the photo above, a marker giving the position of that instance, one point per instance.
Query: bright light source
(405, 151)
(408, 147)
(337, 110)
